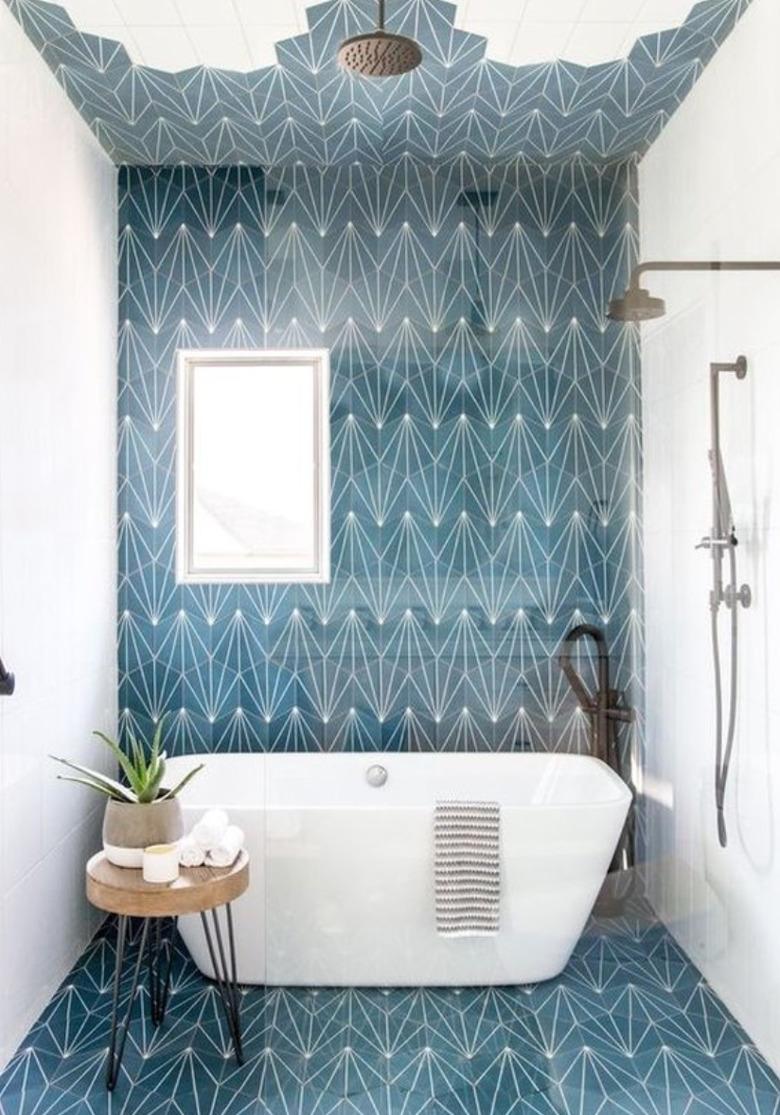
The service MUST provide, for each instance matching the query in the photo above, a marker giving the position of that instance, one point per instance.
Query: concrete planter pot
(128, 828)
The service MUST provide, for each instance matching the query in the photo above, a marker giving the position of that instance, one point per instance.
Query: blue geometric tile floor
(630, 1028)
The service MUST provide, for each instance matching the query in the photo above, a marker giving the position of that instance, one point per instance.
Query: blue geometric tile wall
(307, 109)
(485, 449)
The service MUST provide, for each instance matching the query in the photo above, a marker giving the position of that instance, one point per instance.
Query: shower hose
(723, 753)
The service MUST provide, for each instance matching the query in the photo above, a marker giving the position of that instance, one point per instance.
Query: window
(253, 466)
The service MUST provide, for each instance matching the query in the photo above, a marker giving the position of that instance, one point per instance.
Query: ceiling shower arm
(700, 265)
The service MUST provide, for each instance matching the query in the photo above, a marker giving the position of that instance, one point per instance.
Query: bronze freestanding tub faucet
(603, 707)
(604, 712)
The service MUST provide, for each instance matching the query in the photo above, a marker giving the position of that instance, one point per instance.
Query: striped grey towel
(467, 867)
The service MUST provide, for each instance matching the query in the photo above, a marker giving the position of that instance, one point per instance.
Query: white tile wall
(57, 515)
(709, 188)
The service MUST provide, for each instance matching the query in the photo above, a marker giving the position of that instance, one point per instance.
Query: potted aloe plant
(140, 811)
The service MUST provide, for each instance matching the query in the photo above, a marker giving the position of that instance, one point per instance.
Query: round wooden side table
(198, 890)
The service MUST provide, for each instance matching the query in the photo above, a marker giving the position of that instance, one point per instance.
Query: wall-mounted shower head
(637, 304)
(379, 53)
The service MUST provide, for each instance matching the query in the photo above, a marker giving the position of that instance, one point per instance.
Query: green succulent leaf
(92, 786)
(180, 785)
(157, 738)
(139, 759)
(156, 766)
(125, 763)
(144, 770)
(110, 785)
(155, 783)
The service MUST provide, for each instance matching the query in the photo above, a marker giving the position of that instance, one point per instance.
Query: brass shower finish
(637, 304)
(379, 53)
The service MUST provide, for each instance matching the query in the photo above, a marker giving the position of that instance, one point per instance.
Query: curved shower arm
(701, 265)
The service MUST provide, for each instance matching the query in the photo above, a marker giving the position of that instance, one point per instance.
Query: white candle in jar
(161, 863)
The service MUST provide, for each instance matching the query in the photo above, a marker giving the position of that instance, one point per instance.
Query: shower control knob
(742, 596)
(376, 775)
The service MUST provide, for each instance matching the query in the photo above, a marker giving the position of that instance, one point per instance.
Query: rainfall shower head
(379, 53)
(637, 304)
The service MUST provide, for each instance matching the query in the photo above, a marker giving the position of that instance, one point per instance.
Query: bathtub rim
(622, 794)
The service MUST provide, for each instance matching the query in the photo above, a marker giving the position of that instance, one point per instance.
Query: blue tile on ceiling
(306, 109)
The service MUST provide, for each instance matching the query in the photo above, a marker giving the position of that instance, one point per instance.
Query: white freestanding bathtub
(341, 890)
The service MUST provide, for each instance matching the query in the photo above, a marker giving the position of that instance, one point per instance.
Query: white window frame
(187, 361)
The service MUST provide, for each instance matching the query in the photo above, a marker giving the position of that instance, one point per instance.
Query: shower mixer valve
(733, 596)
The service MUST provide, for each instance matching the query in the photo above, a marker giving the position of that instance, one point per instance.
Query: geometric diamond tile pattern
(306, 109)
(630, 1028)
(485, 444)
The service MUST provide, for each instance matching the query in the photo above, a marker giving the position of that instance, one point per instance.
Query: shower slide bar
(722, 540)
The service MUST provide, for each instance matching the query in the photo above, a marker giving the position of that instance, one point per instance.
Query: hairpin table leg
(159, 984)
(119, 1031)
(225, 974)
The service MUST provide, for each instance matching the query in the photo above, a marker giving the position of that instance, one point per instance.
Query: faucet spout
(601, 706)
(585, 631)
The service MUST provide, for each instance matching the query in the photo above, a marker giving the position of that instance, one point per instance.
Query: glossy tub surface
(341, 890)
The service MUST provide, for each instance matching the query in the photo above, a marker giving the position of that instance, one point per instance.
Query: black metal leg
(121, 935)
(225, 974)
(227, 977)
(159, 984)
(232, 947)
(159, 959)
(234, 979)
(119, 1031)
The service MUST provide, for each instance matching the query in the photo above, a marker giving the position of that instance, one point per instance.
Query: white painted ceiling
(240, 34)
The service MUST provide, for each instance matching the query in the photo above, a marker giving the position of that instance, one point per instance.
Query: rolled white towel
(226, 852)
(210, 829)
(190, 852)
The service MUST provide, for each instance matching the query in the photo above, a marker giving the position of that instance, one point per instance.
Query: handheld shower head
(723, 513)
(379, 53)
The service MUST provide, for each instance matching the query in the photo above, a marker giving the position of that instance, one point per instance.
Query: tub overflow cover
(376, 775)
